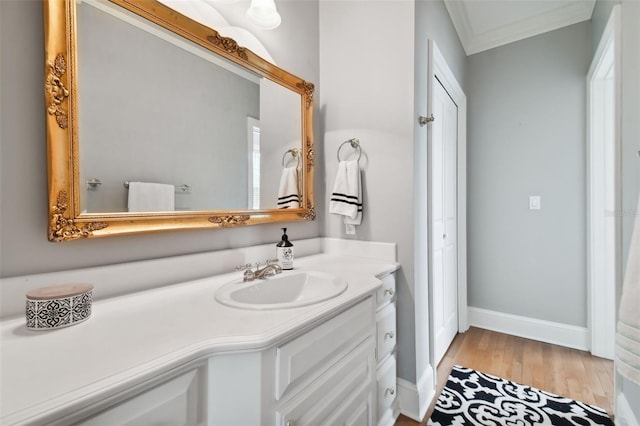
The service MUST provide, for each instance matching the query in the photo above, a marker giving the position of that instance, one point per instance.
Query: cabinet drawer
(387, 391)
(387, 291)
(386, 331)
(343, 395)
(308, 356)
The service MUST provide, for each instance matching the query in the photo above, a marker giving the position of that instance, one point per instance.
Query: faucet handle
(276, 264)
(248, 275)
(246, 267)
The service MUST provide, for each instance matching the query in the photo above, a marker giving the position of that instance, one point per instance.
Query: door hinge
(424, 120)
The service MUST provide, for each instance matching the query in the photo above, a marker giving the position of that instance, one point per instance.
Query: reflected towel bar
(184, 187)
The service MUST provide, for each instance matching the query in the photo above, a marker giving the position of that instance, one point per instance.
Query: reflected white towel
(288, 194)
(628, 335)
(346, 198)
(151, 197)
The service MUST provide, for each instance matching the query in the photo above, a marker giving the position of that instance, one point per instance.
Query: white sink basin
(282, 291)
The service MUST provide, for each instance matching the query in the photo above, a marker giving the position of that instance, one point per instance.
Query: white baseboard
(531, 328)
(624, 413)
(415, 399)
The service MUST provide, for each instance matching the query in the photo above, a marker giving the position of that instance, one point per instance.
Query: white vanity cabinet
(341, 372)
(386, 334)
(331, 363)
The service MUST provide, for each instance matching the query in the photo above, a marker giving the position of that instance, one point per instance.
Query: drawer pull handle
(389, 291)
(389, 391)
(389, 335)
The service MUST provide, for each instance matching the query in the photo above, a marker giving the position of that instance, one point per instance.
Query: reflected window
(253, 190)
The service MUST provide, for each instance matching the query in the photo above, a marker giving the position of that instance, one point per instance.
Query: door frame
(608, 51)
(438, 68)
(416, 398)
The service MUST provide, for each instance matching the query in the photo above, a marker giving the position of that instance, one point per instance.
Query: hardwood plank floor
(567, 372)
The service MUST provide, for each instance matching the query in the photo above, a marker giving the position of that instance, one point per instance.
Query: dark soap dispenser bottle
(285, 251)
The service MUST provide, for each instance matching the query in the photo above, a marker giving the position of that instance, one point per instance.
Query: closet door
(444, 220)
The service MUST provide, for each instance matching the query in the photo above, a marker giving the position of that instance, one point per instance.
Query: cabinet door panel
(175, 402)
(337, 394)
(309, 355)
(357, 410)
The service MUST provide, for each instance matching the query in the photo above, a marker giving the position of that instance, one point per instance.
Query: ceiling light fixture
(263, 14)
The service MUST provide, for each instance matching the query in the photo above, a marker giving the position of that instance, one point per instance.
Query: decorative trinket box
(58, 306)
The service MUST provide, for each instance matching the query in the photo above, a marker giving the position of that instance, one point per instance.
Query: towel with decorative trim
(151, 197)
(346, 198)
(288, 193)
(628, 333)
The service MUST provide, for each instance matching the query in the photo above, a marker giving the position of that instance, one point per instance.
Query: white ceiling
(485, 24)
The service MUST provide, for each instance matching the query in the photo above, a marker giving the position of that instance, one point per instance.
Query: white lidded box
(58, 306)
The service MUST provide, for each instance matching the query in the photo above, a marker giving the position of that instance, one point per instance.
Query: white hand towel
(346, 198)
(151, 197)
(288, 193)
(628, 335)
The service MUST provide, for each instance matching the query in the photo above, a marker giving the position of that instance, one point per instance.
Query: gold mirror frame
(66, 222)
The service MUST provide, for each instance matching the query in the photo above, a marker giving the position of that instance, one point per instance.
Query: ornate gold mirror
(156, 122)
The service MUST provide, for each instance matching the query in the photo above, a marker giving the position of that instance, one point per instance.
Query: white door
(444, 262)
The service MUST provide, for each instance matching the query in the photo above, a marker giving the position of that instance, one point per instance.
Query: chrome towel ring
(295, 152)
(355, 144)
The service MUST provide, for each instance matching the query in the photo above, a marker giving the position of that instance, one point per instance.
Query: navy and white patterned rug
(474, 398)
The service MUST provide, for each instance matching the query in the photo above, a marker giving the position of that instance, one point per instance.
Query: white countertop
(131, 338)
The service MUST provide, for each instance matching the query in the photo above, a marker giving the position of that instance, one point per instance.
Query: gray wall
(24, 247)
(278, 134)
(527, 137)
(630, 147)
(366, 52)
(186, 125)
(374, 85)
(630, 106)
(630, 111)
(630, 141)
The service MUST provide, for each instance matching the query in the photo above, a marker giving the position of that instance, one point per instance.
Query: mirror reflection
(167, 125)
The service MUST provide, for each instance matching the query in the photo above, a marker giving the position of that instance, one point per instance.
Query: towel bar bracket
(94, 183)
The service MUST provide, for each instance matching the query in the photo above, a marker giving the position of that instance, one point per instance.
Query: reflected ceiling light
(263, 14)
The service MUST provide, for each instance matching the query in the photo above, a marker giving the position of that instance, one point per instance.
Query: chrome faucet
(270, 268)
(248, 273)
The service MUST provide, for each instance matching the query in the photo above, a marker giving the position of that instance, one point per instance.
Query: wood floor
(567, 372)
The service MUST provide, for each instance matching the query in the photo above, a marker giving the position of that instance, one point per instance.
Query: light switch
(534, 202)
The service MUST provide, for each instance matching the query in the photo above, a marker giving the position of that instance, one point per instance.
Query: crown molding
(566, 13)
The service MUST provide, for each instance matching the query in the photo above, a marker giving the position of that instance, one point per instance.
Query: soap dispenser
(285, 251)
